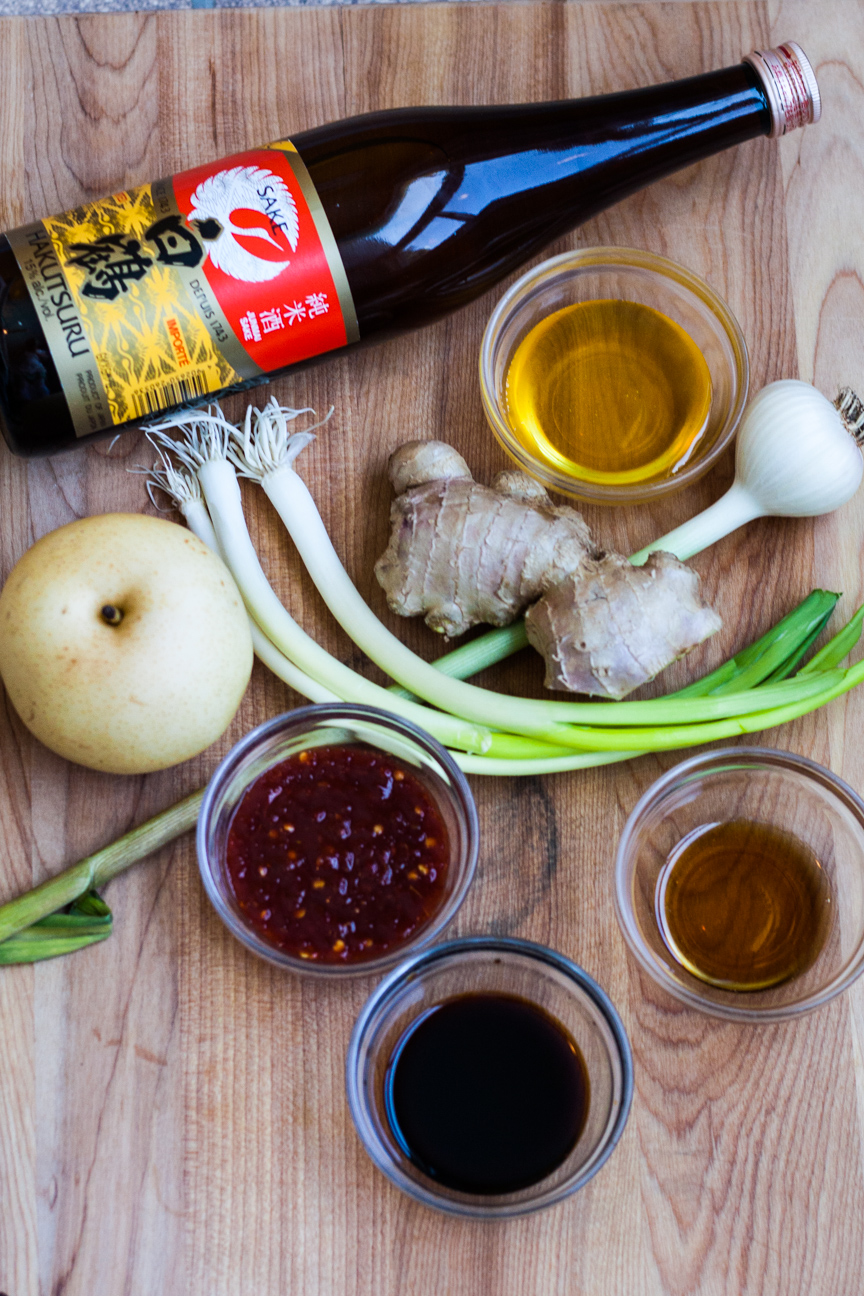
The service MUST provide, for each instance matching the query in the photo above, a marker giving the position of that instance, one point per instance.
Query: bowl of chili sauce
(337, 838)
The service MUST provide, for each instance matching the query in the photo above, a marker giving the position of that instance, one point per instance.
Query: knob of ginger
(462, 554)
(611, 627)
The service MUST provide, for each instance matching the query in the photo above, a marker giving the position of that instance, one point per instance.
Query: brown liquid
(487, 1093)
(743, 905)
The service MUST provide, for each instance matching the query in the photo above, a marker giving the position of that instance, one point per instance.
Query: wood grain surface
(172, 1111)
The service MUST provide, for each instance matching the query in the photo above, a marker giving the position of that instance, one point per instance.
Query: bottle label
(175, 290)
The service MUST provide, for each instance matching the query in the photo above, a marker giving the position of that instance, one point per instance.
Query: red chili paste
(337, 855)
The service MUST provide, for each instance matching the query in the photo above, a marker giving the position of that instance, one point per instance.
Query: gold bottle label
(172, 291)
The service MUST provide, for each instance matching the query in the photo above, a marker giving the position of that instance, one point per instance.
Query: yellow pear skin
(124, 643)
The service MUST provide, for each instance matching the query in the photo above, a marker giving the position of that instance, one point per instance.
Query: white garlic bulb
(797, 456)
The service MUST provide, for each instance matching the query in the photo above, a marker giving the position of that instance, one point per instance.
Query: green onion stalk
(87, 875)
(85, 921)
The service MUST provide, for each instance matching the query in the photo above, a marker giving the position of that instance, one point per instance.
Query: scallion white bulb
(797, 456)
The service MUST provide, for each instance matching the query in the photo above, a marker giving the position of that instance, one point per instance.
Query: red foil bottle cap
(790, 85)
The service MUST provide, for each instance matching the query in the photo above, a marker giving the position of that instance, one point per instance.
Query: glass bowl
(593, 274)
(336, 724)
(772, 787)
(493, 965)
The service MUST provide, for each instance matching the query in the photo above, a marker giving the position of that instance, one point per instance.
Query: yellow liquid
(609, 391)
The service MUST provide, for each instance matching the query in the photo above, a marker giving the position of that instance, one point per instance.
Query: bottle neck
(659, 129)
(771, 92)
(790, 86)
(640, 136)
(584, 154)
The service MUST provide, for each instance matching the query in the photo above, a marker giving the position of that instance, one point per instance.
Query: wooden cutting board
(172, 1112)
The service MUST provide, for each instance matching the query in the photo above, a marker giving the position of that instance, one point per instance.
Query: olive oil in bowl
(610, 392)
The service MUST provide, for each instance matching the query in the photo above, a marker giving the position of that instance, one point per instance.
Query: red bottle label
(175, 290)
(283, 292)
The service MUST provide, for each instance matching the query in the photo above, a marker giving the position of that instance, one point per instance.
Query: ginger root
(462, 554)
(611, 627)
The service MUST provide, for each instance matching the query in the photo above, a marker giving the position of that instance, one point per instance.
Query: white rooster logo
(258, 222)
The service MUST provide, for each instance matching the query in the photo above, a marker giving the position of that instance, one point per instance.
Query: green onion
(533, 766)
(668, 737)
(776, 654)
(268, 458)
(838, 647)
(97, 869)
(552, 727)
(204, 452)
(784, 638)
(780, 650)
(473, 657)
(84, 922)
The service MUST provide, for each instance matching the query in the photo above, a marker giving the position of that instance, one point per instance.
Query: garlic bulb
(797, 456)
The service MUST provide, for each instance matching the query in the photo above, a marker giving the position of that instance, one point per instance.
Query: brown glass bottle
(430, 207)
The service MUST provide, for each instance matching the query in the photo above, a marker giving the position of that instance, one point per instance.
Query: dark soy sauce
(486, 1093)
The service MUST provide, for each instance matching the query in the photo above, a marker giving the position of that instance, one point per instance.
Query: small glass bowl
(344, 725)
(478, 964)
(624, 274)
(771, 787)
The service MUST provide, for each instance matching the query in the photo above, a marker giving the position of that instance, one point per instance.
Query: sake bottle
(234, 272)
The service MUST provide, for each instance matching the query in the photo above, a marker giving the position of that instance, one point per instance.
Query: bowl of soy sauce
(489, 1077)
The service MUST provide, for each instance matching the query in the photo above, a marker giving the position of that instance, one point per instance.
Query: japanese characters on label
(113, 261)
(254, 325)
(271, 260)
(186, 287)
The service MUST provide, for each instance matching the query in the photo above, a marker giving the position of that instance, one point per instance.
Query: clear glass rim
(311, 716)
(612, 258)
(704, 763)
(410, 971)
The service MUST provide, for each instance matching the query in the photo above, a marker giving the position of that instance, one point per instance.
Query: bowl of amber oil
(489, 1077)
(613, 375)
(739, 884)
(335, 839)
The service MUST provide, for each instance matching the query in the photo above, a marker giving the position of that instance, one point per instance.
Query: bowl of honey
(613, 375)
(489, 1077)
(337, 838)
(739, 884)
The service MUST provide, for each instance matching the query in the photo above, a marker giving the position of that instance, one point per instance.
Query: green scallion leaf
(85, 921)
(838, 647)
